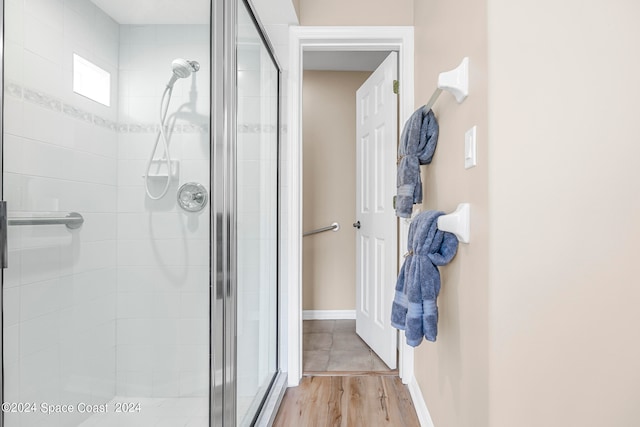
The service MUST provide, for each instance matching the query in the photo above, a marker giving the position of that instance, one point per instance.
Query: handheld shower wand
(181, 70)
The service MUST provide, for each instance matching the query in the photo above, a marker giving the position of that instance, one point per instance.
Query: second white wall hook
(457, 222)
(456, 81)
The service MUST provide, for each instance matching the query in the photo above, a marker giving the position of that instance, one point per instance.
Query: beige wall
(453, 371)
(538, 314)
(565, 213)
(356, 12)
(329, 187)
(296, 6)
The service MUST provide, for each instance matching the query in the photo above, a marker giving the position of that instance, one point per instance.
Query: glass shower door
(257, 207)
(106, 132)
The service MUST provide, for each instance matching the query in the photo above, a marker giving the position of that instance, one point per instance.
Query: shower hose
(161, 136)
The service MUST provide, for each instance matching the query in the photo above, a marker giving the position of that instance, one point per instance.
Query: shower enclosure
(139, 213)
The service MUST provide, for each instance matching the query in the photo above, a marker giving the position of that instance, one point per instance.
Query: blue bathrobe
(417, 145)
(414, 307)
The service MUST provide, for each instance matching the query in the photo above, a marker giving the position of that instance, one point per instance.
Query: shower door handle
(4, 252)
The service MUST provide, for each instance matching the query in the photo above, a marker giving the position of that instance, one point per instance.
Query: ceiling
(144, 12)
(343, 60)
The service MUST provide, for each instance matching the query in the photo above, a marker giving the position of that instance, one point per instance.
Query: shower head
(182, 69)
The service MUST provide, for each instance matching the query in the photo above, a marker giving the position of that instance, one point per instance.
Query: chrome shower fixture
(182, 69)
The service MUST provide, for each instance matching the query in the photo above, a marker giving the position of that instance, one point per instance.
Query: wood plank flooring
(347, 401)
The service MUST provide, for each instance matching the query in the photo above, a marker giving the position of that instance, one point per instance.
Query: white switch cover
(470, 148)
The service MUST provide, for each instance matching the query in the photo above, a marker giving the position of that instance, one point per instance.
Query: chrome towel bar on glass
(72, 220)
(335, 227)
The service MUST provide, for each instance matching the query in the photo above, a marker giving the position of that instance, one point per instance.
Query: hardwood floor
(366, 401)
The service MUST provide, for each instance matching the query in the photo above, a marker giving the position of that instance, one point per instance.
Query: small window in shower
(91, 81)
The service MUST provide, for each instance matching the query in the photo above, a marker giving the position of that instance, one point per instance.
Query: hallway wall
(355, 12)
(543, 336)
(563, 150)
(329, 187)
(453, 372)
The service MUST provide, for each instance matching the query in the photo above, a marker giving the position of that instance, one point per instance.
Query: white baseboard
(421, 406)
(328, 314)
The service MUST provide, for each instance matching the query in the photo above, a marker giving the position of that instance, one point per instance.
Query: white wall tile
(169, 252)
(13, 116)
(137, 146)
(95, 256)
(50, 124)
(135, 357)
(39, 334)
(109, 35)
(166, 305)
(138, 34)
(60, 164)
(39, 382)
(193, 332)
(136, 226)
(47, 10)
(195, 146)
(78, 28)
(194, 383)
(135, 305)
(40, 264)
(169, 279)
(163, 253)
(134, 384)
(92, 285)
(14, 21)
(166, 383)
(13, 62)
(98, 227)
(11, 309)
(134, 331)
(43, 39)
(12, 274)
(193, 357)
(84, 136)
(195, 171)
(194, 305)
(130, 172)
(41, 298)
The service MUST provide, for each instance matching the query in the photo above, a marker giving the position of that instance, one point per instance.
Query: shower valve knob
(192, 197)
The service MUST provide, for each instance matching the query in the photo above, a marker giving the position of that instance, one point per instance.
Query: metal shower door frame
(224, 298)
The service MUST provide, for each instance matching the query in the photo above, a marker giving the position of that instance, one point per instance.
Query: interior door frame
(303, 38)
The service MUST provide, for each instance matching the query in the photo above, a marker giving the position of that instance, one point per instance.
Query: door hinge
(396, 86)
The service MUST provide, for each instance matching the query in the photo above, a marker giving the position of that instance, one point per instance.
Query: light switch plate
(470, 159)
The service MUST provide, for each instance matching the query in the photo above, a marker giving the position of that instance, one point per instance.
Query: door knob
(356, 224)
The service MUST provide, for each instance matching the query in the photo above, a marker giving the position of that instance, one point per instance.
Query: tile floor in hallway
(333, 345)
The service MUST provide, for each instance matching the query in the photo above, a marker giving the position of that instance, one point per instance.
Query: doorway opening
(347, 42)
(346, 124)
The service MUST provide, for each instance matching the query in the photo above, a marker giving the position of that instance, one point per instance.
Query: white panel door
(376, 247)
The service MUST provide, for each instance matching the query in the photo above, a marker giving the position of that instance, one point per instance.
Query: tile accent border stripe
(54, 104)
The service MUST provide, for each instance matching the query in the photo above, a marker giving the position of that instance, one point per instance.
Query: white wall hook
(457, 222)
(456, 81)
